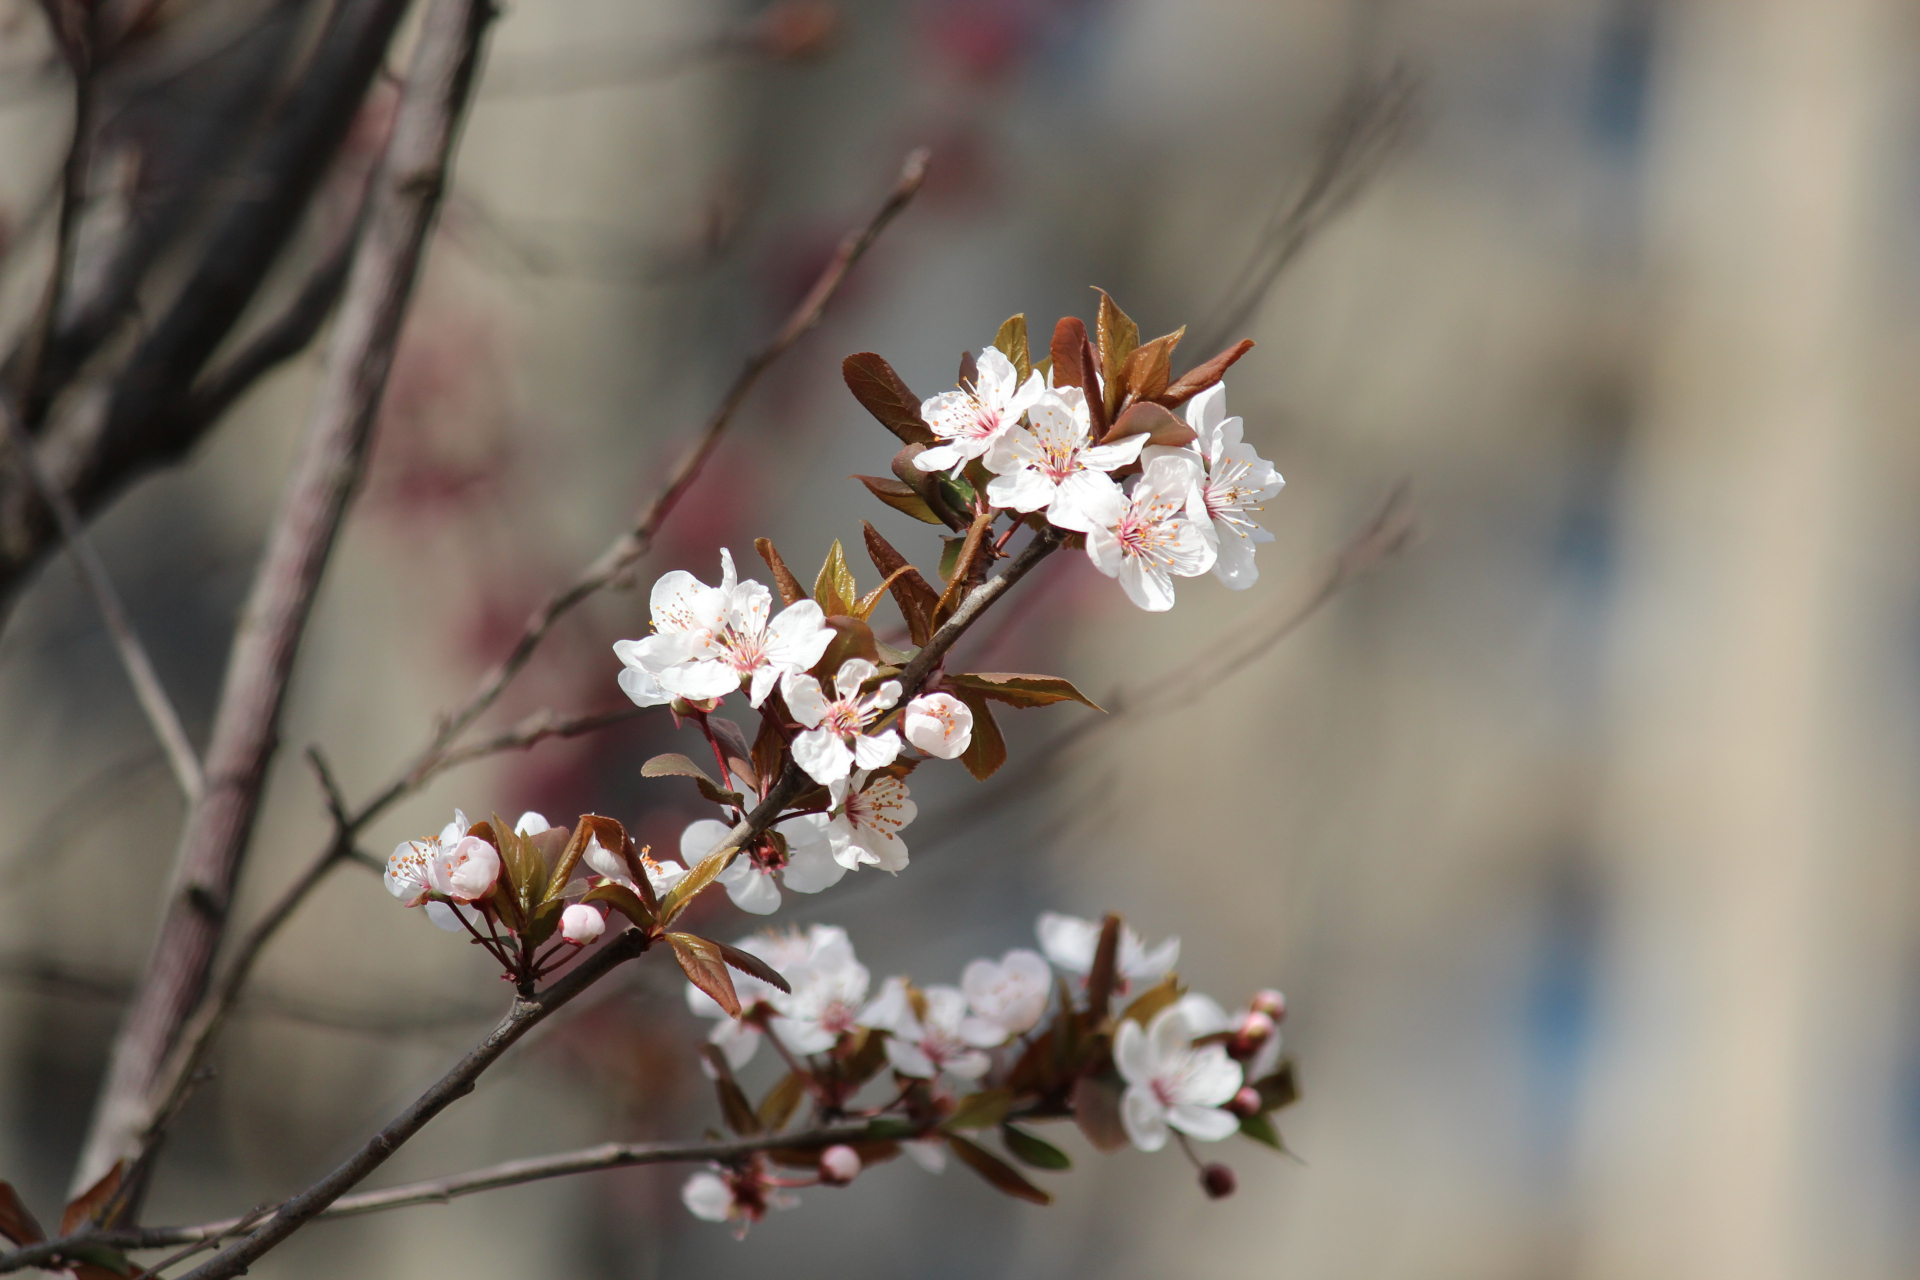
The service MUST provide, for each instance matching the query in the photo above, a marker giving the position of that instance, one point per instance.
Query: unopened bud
(581, 924)
(1271, 1003)
(839, 1165)
(1246, 1102)
(1218, 1181)
(1254, 1030)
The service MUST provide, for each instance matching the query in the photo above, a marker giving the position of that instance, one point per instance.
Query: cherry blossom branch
(246, 725)
(147, 688)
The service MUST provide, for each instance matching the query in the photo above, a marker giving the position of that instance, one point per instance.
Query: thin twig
(533, 730)
(126, 641)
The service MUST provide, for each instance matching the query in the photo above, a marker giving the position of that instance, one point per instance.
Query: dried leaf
(86, 1208)
(17, 1222)
(1012, 342)
(624, 900)
(1259, 1127)
(988, 750)
(964, 565)
(1279, 1089)
(1119, 335)
(693, 882)
(1148, 369)
(1096, 1109)
(981, 1110)
(901, 496)
(915, 597)
(1106, 966)
(777, 1108)
(1034, 1151)
(783, 579)
(1021, 690)
(998, 1173)
(747, 962)
(879, 389)
(700, 960)
(833, 588)
(734, 1107)
(1194, 381)
(1155, 422)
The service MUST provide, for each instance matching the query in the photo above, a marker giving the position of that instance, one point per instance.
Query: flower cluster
(1021, 1040)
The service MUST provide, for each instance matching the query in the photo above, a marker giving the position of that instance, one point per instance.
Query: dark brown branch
(405, 197)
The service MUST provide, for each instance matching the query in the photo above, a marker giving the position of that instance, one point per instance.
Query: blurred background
(1580, 836)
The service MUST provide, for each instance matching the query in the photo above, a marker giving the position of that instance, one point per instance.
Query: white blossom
(1172, 1084)
(973, 419)
(939, 724)
(661, 876)
(836, 740)
(687, 614)
(1155, 535)
(863, 828)
(828, 987)
(1009, 996)
(581, 923)
(406, 875)
(810, 867)
(464, 871)
(787, 952)
(941, 1039)
(1071, 942)
(741, 1196)
(1054, 466)
(1236, 483)
(708, 1197)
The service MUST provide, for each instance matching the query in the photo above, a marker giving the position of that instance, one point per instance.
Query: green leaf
(777, 1108)
(881, 392)
(1119, 335)
(988, 750)
(834, 588)
(901, 496)
(747, 962)
(998, 1173)
(1021, 690)
(695, 880)
(526, 870)
(622, 899)
(1030, 1150)
(949, 558)
(675, 765)
(1279, 1089)
(17, 1222)
(544, 920)
(981, 1110)
(1012, 342)
(700, 960)
(1260, 1128)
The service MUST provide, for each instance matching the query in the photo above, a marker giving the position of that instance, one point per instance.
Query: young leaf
(866, 1060)
(998, 1173)
(1279, 1089)
(1106, 967)
(716, 794)
(879, 389)
(864, 607)
(1069, 337)
(768, 744)
(700, 960)
(1194, 381)
(782, 1101)
(1153, 1000)
(1148, 369)
(1155, 422)
(1096, 1109)
(734, 745)
(695, 880)
(949, 559)
(1021, 690)
(734, 1107)
(988, 750)
(17, 1222)
(86, 1208)
(834, 588)
(915, 597)
(969, 370)
(783, 579)
(1012, 342)
(623, 900)
(1119, 335)
(981, 1110)
(1090, 383)
(963, 568)
(852, 639)
(525, 871)
(1033, 1151)
(544, 920)
(747, 962)
(675, 765)
(925, 483)
(1259, 1127)
(901, 496)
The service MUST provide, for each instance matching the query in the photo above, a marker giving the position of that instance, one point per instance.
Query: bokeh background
(1580, 835)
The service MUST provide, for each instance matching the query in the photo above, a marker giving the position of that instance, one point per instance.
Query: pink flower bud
(1218, 1181)
(466, 871)
(1254, 1030)
(1246, 1102)
(1271, 1003)
(581, 924)
(839, 1165)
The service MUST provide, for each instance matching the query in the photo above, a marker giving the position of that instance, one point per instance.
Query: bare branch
(126, 641)
(406, 196)
(535, 729)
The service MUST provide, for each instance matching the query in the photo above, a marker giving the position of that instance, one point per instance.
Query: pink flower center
(843, 719)
(1146, 532)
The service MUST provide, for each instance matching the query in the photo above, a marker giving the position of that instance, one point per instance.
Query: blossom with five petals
(1010, 995)
(825, 1001)
(810, 867)
(1170, 1083)
(1157, 533)
(836, 737)
(1236, 482)
(788, 952)
(1071, 942)
(973, 419)
(740, 1195)
(863, 826)
(943, 1039)
(939, 724)
(1054, 466)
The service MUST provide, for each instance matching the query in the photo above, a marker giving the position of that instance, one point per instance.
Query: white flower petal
(1144, 1118)
(871, 751)
(811, 868)
(822, 755)
(1133, 1056)
(1209, 1124)
(754, 891)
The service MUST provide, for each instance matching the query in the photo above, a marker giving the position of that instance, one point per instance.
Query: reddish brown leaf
(963, 568)
(1069, 337)
(1147, 370)
(1194, 381)
(901, 496)
(85, 1208)
(969, 370)
(782, 1101)
(1096, 1109)
(701, 961)
(999, 1174)
(882, 393)
(625, 901)
(747, 962)
(791, 592)
(768, 744)
(734, 745)
(988, 750)
(1020, 690)
(1106, 967)
(17, 1222)
(852, 639)
(1155, 422)
(734, 1107)
(912, 593)
(1090, 383)
(1119, 335)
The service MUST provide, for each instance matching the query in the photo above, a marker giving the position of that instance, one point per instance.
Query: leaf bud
(1271, 1003)
(1219, 1182)
(581, 924)
(839, 1165)
(1246, 1102)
